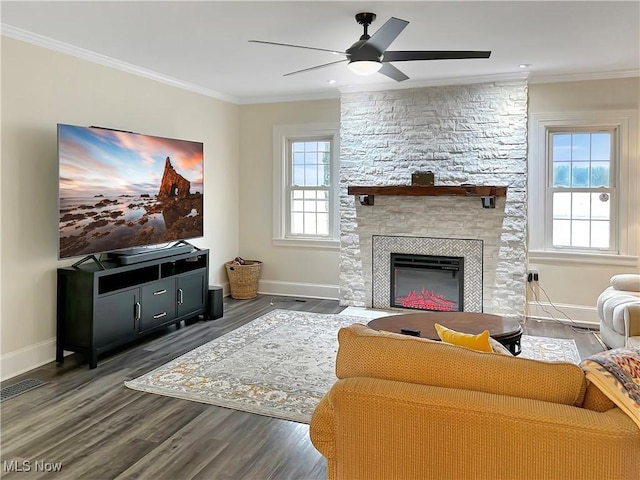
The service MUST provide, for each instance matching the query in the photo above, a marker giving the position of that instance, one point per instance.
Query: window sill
(572, 258)
(328, 244)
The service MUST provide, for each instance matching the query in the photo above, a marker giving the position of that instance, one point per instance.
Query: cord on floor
(574, 326)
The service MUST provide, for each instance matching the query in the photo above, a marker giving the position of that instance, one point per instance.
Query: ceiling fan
(369, 54)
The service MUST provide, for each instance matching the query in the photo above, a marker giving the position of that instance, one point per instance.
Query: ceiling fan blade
(336, 52)
(314, 68)
(406, 56)
(387, 33)
(392, 72)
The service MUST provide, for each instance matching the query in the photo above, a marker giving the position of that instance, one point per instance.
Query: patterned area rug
(280, 365)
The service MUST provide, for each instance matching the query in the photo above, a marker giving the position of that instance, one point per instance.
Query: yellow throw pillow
(479, 342)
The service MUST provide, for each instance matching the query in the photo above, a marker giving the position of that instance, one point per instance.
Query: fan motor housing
(365, 18)
(363, 51)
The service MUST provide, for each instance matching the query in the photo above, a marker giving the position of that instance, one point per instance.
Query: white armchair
(619, 311)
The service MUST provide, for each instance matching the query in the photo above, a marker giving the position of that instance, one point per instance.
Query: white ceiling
(204, 45)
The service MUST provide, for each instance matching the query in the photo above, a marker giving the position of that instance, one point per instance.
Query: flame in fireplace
(426, 300)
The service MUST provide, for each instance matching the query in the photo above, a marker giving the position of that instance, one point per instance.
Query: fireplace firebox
(427, 282)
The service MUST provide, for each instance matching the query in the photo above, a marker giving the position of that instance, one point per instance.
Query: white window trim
(626, 209)
(281, 134)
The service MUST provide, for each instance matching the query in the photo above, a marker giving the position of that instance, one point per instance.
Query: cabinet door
(192, 288)
(158, 304)
(115, 318)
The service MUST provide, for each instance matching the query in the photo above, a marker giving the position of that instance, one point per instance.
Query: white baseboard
(580, 315)
(292, 289)
(28, 358)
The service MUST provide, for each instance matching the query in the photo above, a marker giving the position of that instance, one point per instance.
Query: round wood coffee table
(505, 330)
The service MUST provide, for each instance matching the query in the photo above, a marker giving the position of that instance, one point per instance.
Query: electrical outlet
(532, 276)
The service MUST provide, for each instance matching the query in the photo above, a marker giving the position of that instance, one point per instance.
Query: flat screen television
(124, 191)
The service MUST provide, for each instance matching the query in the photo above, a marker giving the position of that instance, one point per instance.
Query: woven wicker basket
(243, 279)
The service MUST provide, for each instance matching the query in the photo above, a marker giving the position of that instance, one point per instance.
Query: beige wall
(614, 94)
(41, 88)
(297, 270)
(575, 287)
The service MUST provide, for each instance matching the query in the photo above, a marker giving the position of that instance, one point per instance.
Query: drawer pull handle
(180, 296)
(160, 315)
(160, 292)
(137, 314)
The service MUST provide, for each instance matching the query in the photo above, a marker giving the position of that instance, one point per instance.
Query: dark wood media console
(102, 308)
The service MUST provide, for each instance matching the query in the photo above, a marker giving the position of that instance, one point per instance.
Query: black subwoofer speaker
(214, 303)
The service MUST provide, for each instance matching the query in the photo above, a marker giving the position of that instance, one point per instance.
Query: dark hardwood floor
(95, 428)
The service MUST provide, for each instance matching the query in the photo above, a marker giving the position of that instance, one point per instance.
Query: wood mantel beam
(430, 190)
(367, 193)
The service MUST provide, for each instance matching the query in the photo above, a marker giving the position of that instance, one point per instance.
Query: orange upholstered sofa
(409, 408)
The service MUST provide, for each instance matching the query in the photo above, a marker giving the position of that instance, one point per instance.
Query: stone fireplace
(466, 134)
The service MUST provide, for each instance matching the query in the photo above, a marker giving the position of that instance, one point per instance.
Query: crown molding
(88, 55)
(302, 97)
(439, 82)
(579, 77)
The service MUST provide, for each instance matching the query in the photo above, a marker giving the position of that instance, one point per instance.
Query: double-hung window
(582, 189)
(305, 185)
(582, 185)
(309, 187)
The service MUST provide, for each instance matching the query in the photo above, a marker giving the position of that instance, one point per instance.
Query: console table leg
(93, 359)
(59, 354)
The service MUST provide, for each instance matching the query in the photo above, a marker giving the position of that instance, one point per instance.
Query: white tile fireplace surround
(464, 134)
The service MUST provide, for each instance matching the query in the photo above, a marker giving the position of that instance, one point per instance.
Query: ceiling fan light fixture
(364, 67)
(370, 53)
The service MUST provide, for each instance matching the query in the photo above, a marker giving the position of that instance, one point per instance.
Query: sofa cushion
(627, 282)
(364, 352)
(479, 342)
(595, 400)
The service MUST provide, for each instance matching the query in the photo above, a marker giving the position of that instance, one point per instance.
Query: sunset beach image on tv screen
(121, 190)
